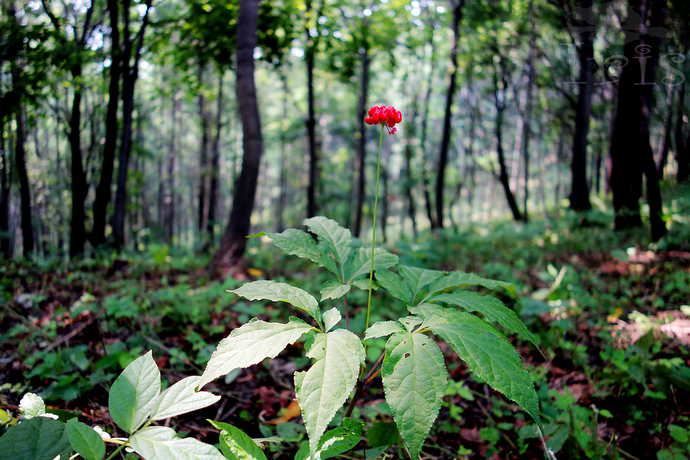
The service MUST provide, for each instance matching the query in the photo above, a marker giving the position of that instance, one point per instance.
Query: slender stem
(373, 236)
(122, 446)
(347, 317)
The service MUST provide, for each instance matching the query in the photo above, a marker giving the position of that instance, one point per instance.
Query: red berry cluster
(383, 115)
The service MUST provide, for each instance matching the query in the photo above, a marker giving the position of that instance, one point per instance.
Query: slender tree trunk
(499, 93)
(531, 76)
(682, 146)
(408, 182)
(666, 136)
(423, 139)
(103, 191)
(5, 241)
(361, 144)
(579, 196)
(282, 180)
(170, 197)
(130, 72)
(311, 117)
(233, 243)
(214, 186)
(203, 157)
(450, 94)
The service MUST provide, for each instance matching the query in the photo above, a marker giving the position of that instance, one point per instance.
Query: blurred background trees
(123, 122)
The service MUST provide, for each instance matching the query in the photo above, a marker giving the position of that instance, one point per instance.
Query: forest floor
(611, 312)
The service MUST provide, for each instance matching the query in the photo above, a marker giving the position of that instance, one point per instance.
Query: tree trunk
(311, 118)
(531, 76)
(103, 191)
(215, 165)
(202, 211)
(79, 185)
(682, 146)
(579, 196)
(170, 197)
(630, 146)
(408, 181)
(666, 136)
(5, 240)
(361, 144)
(445, 140)
(499, 94)
(234, 240)
(130, 72)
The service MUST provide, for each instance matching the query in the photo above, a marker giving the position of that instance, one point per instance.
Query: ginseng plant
(412, 365)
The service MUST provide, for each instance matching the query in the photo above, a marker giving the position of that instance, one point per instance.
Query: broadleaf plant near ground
(412, 365)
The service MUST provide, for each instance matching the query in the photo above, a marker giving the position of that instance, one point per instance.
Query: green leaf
(361, 262)
(488, 354)
(236, 445)
(157, 442)
(394, 284)
(457, 279)
(333, 289)
(251, 344)
(281, 292)
(85, 440)
(418, 278)
(331, 318)
(678, 433)
(410, 322)
(493, 310)
(334, 442)
(134, 392)
(414, 380)
(382, 329)
(301, 244)
(181, 398)
(336, 238)
(363, 284)
(383, 434)
(39, 438)
(32, 405)
(323, 389)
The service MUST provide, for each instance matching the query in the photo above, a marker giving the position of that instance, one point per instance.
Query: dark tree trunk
(361, 144)
(682, 146)
(579, 196)
(25, 193)
(234, 240)
(408, 181)
(103, 191)
(527, 126)
(5, 241)
(215, 165)
(499, 94)
(631, 152)
(130, 72)
(422, 141)
(450, 94)
(79, 185)
(666, 137)
(311, 118)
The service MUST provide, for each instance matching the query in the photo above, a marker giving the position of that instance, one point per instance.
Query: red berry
(398, 116)
(376, 117)
(372, 110)
(391, 122)
(368, 121)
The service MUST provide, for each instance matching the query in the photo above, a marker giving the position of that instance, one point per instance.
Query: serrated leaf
(39, 438)
(382, 329)
(493, 310)
(251, 344)
(414, 380)
(301, 244)
(333, 289)
(323, 389)
(394, 284)
(157, 442)
(457, 279)
(410, 322)
(336, 238)
(181, 398)
(361, 262)
(331, 318)
(236, 444)
(85, 440)
(32, 405)
(418, 278)
(281, 292)
(489, 355)
(335, 441)
(134, 392)
(363, 284)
